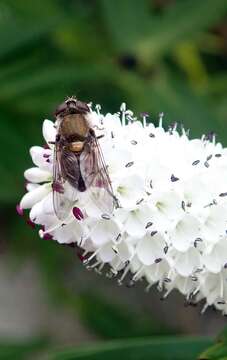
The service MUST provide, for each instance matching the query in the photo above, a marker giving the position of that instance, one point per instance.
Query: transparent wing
(64, 194)
(96, 177)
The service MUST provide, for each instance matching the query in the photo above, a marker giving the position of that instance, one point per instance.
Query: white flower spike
(171, 226)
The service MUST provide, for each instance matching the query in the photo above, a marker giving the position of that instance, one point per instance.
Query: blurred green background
(156, 55)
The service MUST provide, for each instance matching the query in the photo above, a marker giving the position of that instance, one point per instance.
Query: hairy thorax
(74, 125)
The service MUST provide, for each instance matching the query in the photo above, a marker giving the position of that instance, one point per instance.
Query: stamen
(105, 216)
(123, 109)
(53, 228)
(30, 223)
(160, 119)
(197, 240)
(78, 213)
(98, 269)
(98, 108)
(117, 240)
(148, 225)
(125, 272)
(139, 201)
(166, 248)
(129, 164)
(138, 273)
(147, 288)
(144, 116)
(47, 236)
(174, 178)
(204, 308)
(153, 233)
(196, 162)
(19, 210)
(86, 261)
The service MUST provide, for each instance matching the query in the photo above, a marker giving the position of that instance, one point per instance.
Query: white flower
(170, 228)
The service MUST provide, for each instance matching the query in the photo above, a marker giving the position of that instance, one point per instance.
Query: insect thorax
(74, 126)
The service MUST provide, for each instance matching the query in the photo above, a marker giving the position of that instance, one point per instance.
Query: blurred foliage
(112, 321)
(137, 349)
(157, 55)
(22, 351)
(217, 351)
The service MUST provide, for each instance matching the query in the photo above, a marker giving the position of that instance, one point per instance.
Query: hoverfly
(79, 164)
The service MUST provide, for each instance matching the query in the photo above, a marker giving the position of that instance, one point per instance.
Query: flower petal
(49, 132)
(34, 196)
(151, 248)
(36, 175)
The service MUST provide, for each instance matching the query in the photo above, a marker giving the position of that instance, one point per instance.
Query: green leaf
(136, 349)
(21, 351)
(217, 351)
(110, 320)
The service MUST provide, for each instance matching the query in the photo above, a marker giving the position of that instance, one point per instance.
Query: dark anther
(151, 135)
(133, 142)
(174, 178)
(158, 260)
(129, 164)
(223, 194)
(196, 162)
(209, 157)
(148, 225)
(115, 250)
(166, 248)
(196, 241)
(206, 164)
(118, 237)
(139, 201)
(153, 233)
(221, 302)
(183, 205)
(105, 216)
(167, 280)
(217, 155)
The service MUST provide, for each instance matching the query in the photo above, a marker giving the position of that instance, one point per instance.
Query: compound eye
(60, 109)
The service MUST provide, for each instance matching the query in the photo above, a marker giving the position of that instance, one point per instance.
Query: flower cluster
(170, 227)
